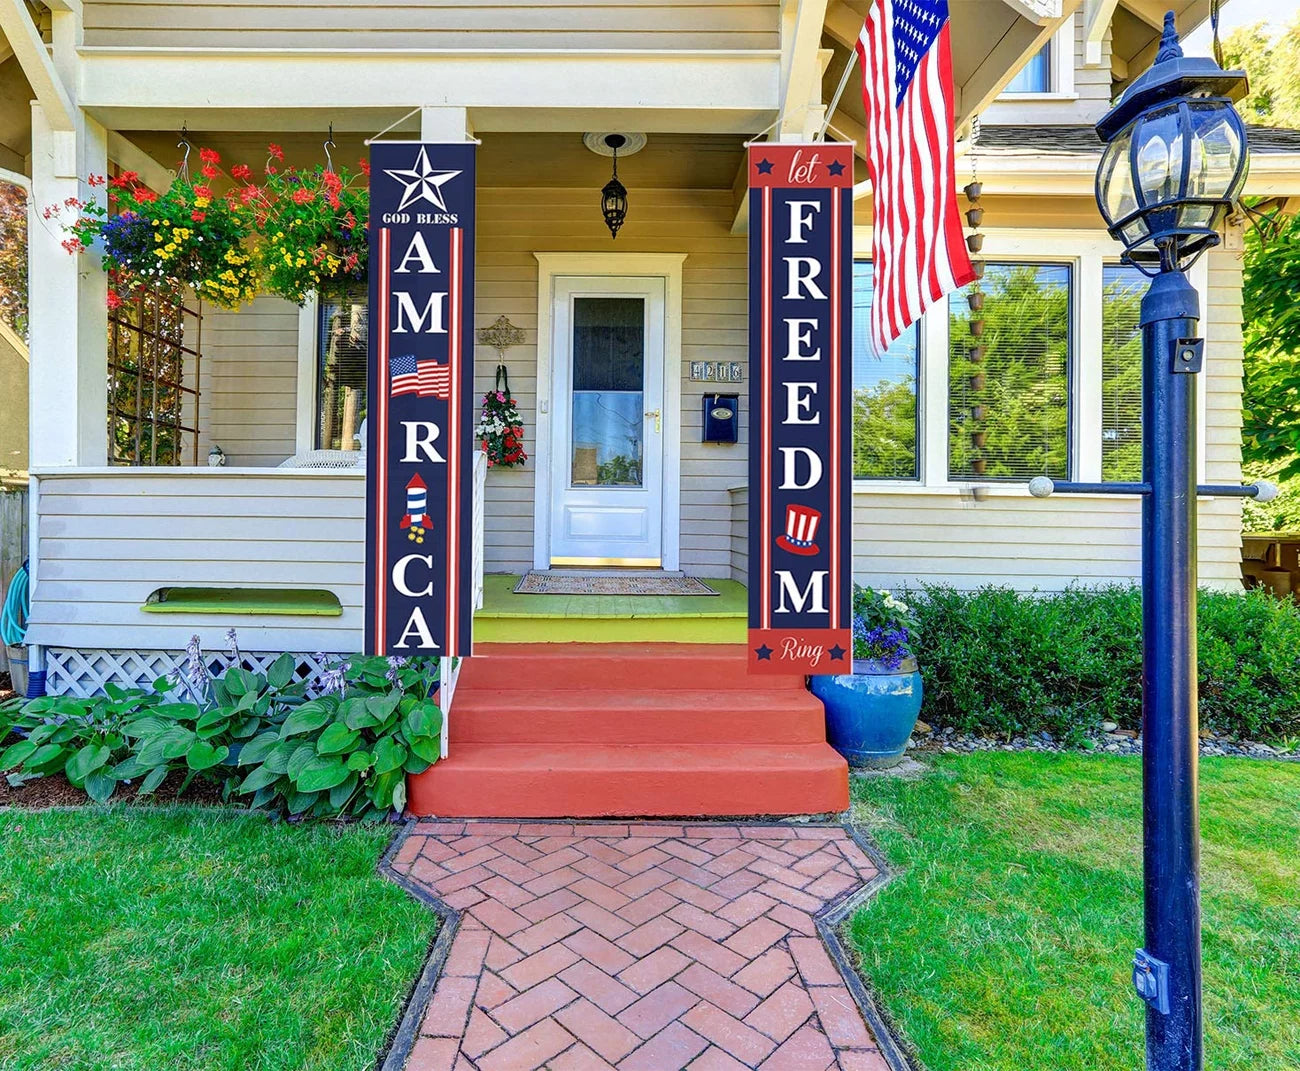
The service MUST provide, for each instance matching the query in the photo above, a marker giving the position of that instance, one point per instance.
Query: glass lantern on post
(1175, 159)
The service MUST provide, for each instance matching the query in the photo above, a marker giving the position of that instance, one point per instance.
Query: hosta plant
(85, 739)
(260, 736)
(349, 751)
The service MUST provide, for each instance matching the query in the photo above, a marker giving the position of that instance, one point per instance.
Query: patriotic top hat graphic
(800, 530)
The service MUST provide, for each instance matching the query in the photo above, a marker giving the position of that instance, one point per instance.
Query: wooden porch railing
(449, 668)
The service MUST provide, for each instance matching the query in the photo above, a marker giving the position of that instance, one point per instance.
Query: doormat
(542, 583)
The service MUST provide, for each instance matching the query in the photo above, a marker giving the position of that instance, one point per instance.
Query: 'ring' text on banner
(419, 474)
(801, 358)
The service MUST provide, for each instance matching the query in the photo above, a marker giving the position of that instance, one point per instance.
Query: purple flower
(333, 677)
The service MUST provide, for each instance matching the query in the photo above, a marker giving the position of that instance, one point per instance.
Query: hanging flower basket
(309, 226)
(185, 235)
(500, 427)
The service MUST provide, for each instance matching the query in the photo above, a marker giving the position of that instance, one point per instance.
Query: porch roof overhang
(682, 90)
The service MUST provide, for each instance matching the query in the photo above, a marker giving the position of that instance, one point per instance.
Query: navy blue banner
(801, 385)
(420, 408)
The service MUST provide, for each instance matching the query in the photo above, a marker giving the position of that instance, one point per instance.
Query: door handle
(658, 419)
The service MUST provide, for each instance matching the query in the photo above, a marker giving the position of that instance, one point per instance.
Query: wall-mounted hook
(329, 144)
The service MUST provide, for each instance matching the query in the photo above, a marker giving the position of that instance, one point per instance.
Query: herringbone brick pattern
(638, 946)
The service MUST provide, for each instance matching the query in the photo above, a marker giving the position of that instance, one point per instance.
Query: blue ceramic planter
(870, 712)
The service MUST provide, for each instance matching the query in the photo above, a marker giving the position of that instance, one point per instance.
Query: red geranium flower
(203, 191)
(198, 216)
(143, 195)
(114, 300)
(275, 151)
(241, 171)
(365, 168)
(209, 156)
(301, 197)
(209, 171)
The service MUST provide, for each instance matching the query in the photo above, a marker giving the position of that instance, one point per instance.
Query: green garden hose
(13, 615)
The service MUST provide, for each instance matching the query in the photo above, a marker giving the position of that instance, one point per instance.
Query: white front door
(606, 450)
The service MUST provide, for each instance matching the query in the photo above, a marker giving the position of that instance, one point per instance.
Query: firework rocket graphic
(415, 521)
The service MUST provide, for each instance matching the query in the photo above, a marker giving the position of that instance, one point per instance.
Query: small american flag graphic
(907, 91)
(425, 378)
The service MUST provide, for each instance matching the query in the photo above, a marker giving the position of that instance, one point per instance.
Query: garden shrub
(257, 735)
(1001, 662)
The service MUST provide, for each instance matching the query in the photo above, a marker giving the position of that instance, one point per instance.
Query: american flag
(917, 244)
(425, 378)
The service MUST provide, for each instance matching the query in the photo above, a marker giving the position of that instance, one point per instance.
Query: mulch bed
(55, 791)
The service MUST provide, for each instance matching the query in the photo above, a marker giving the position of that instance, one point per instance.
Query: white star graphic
(423, 183)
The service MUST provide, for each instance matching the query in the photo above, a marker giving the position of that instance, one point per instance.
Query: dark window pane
(341, 381)
(1121, 372)
(884, 393)
(1009, 413)
(608, 343)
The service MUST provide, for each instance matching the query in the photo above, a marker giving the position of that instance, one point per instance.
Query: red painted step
(535, 666)
(584, 730)
(570, 716)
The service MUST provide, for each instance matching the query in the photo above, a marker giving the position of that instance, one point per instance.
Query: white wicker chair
(326, 459)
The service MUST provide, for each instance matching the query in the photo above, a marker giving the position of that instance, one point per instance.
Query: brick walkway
(642, 946)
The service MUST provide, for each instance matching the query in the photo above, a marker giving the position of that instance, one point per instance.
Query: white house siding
(107, 540)
(248, 381)
(497, 24)
(514, 223)
(1086, 102)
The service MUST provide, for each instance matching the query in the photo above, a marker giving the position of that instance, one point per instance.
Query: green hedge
(996, 661)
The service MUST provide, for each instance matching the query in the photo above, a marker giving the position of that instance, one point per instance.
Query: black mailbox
(721, 418)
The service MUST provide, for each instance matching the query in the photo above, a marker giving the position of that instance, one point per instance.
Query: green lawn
(1005, 943)
(138, 940)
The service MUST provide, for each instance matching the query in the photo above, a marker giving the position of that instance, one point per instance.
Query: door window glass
(608, 391)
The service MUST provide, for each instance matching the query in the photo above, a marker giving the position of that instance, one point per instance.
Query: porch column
(68, 393)
(445, 124)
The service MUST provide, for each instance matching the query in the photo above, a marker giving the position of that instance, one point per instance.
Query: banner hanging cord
(839, 92)
(401, 119)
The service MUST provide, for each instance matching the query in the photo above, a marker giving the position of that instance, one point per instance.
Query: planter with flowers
(871, 712)
(309, 225)
(186, 234)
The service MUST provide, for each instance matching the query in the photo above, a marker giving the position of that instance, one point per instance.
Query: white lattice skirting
(84, 673)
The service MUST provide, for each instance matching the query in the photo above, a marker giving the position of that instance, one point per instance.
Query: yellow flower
(157, 236)
(201, 202)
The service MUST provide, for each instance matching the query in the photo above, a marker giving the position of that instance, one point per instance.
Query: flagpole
(839, 92)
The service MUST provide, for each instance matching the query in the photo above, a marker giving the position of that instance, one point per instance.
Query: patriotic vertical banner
(420, 406)
(801, 359)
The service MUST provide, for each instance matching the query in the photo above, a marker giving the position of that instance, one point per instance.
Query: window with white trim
(886, 418)
(1122, 288)
(342, 339)
(1035, 76)
(1009, 384)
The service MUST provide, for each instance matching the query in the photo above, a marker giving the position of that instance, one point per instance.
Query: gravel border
(1109, 740)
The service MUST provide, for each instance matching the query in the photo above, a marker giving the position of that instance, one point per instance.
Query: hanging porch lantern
(613, 198)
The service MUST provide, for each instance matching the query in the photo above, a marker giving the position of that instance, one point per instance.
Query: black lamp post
(1174, 164)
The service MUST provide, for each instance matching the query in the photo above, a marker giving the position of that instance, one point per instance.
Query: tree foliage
(1273, 65)
(1023, 398)
(13, 257)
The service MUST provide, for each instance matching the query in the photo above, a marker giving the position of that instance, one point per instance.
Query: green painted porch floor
(510, 618)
